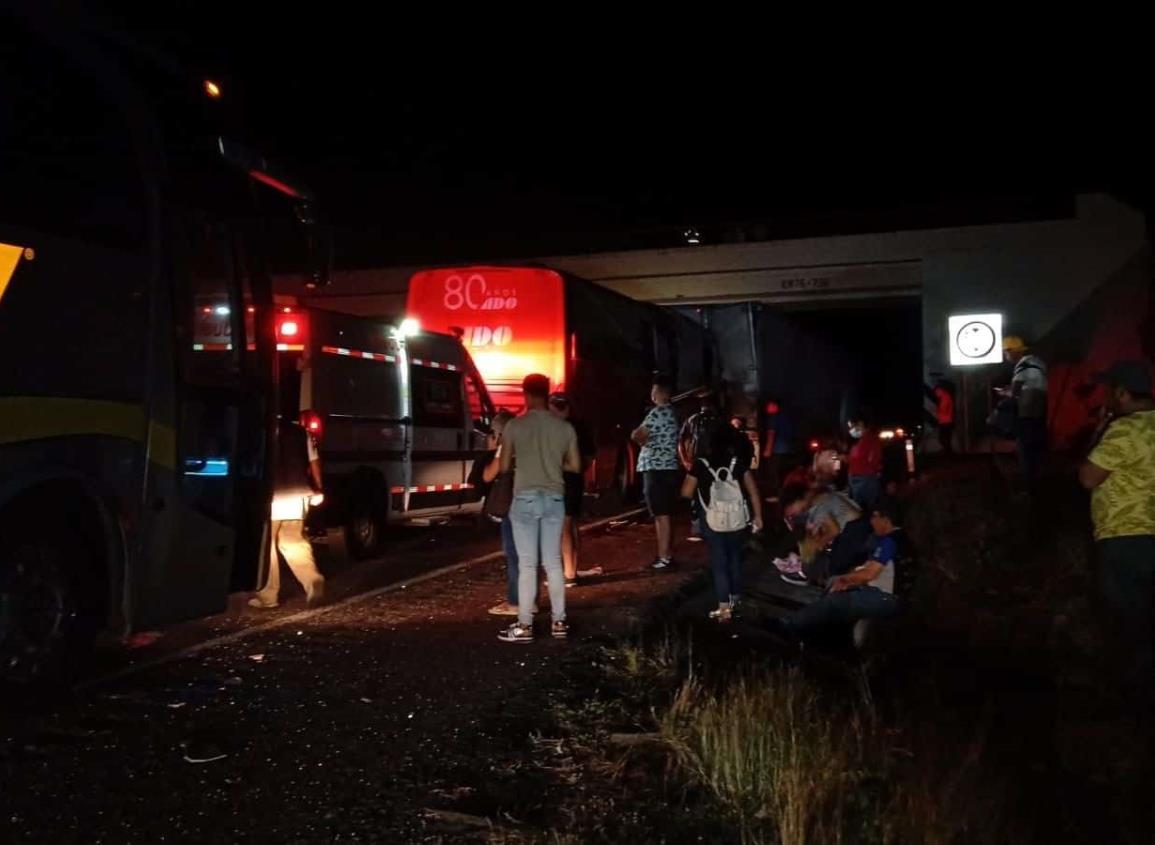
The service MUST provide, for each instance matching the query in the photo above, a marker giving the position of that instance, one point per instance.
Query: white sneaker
(516, 633)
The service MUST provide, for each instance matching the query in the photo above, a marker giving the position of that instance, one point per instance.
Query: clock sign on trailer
(975, 339)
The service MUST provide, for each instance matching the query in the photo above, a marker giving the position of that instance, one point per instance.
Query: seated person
(836, 534)
(866, 592)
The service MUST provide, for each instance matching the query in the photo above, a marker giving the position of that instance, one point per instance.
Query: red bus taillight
(291, 328)
(311, 421)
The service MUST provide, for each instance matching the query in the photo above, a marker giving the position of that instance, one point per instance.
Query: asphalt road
(338, 726)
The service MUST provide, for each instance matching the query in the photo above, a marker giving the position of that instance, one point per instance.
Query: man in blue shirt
(658, 464)
(866, 592)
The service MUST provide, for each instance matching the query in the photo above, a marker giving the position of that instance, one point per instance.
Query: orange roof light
(212, 89)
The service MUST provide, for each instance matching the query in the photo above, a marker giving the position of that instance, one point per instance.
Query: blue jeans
(537, 517)
(510, 549)
(865, 490)
(725, 560)
(843, 608)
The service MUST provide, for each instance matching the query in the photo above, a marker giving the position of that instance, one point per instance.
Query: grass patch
(771, 753)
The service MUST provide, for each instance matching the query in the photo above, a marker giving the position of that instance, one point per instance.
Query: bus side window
(207, 297)
(437, 399)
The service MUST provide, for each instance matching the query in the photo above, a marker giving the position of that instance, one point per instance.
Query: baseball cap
(1132, 376)
(1014, 343)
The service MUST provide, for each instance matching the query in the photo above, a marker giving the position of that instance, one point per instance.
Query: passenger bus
(597, 345)
(133, 473)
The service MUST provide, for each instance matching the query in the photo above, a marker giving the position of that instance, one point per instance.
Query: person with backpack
(723, 484)
(692, 439)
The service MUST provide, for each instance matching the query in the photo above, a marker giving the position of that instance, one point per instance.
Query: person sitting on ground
(865, 592)
(827, 466)
(727, 492)
(836, 534)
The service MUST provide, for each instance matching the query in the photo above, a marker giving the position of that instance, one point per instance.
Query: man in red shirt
(944, 415)
(864, 463)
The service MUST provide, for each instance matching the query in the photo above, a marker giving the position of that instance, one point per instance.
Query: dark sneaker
(570, 583)
(796, 578)
(662, 563)
(559, 630)
(516, 633)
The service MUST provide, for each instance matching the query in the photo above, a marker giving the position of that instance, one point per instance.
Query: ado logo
(474, 292)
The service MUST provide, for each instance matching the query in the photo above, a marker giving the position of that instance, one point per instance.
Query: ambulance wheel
(46, 625)
(365, 526)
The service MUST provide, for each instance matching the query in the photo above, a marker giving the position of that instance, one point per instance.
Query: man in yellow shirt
(1120, 473)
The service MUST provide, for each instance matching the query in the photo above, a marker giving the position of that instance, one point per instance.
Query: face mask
(856, 432)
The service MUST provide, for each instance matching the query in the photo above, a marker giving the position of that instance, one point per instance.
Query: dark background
(460, 138)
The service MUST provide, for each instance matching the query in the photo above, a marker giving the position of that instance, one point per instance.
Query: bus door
(209, 514)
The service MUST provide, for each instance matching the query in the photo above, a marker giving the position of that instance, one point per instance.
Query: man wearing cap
(1028, 388)
(1120, 473)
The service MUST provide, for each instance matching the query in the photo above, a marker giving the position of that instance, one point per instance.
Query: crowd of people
(539, 459)
(836, 526)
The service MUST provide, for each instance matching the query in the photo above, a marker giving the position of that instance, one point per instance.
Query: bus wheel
(45, 629)
(365, 527)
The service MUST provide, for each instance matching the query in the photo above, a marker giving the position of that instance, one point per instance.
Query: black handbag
(500, 497)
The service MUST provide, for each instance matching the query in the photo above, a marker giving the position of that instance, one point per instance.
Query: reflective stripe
(226, 347)
(434, 365)
(432, 488)
(28, 418)
(357, 353)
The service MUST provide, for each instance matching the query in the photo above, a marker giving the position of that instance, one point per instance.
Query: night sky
(424, 142)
